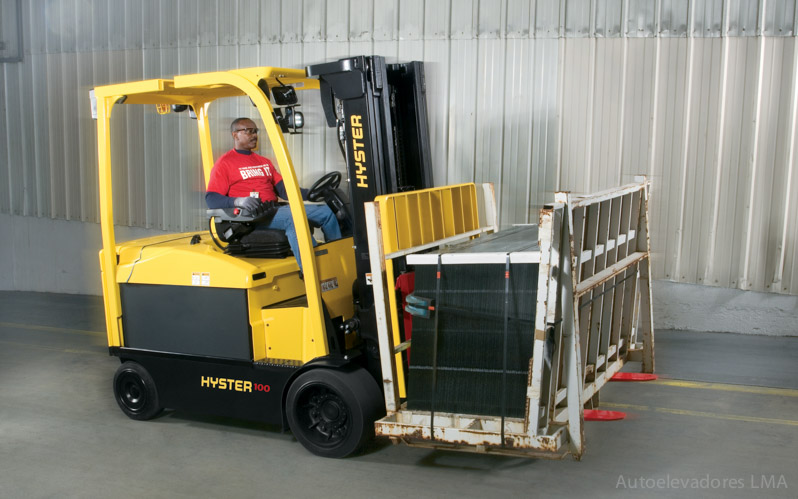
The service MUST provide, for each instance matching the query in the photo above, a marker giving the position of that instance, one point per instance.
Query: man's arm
(279, 188)
(214, 200)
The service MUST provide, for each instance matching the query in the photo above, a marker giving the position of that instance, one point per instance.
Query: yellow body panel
(172, 260)
(283, 340)
(277, 333)
(335, 262)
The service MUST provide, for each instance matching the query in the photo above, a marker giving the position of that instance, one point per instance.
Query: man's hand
(248, 203)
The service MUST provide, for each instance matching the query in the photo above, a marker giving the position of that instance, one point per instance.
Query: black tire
(332, 411)
(135, 392)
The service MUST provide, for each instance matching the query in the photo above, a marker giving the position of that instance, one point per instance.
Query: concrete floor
(723, 422)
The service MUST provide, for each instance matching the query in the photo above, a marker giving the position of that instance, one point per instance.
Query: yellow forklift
(216, 322)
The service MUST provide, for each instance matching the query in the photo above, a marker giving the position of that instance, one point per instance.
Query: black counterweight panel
(471, 350)
(195, 320)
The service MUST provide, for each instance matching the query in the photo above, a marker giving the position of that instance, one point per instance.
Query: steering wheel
(329, 181)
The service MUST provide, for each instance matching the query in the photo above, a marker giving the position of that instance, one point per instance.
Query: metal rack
(593, 310)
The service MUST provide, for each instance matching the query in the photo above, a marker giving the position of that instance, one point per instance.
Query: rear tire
(332, 412)
(135, 392)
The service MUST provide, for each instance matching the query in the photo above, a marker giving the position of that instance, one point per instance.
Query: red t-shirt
(238, 175)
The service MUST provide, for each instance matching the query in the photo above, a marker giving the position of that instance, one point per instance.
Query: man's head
(245, 134)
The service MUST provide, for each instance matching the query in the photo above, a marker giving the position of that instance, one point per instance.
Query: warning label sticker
(329, 284)
(200, 278)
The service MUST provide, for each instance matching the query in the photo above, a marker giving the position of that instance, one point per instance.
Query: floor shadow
(472, 461)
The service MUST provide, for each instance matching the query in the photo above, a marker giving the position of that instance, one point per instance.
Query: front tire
(332, 412)
(135, 392)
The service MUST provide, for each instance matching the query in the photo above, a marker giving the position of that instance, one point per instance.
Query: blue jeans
(319, 215)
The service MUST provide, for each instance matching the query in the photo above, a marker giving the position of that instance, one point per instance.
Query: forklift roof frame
(198, 91)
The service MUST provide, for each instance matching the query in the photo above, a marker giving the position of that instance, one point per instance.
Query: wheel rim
(132, 392)
(324, 417)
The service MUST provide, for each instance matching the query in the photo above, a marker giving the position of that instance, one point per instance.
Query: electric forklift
(221, 321)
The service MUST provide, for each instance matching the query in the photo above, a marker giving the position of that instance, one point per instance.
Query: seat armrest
(265, 211)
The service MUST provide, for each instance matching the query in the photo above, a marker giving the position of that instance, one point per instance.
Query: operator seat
(237, 228)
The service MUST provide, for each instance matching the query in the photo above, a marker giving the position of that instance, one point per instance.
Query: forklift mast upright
(380, 112)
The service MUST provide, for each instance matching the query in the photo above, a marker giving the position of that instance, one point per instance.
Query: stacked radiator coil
(485, 333)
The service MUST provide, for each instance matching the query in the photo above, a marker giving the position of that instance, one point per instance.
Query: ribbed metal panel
(10, 30)
(780, 18)
(706, 18)
(520, 16)
(578, 17)
(7, 174)
(674, 17)
(549, 20)
(532, 96)
(732, 181)
(576, 106)
(544, 144)
(743, 17)
(641, 18)
(608, 18)
(768, 190)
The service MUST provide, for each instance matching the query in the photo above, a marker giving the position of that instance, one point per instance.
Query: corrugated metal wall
(535, 96)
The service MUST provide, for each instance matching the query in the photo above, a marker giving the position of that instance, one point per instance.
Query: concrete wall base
(41, 254)
(692, 307)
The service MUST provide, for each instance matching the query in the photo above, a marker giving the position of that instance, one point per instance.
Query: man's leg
(322, 216)
(282, 221)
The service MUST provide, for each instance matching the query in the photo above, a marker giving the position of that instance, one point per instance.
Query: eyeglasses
(249, 131)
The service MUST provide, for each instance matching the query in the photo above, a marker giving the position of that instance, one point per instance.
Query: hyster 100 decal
(238, 385)
(358, 152)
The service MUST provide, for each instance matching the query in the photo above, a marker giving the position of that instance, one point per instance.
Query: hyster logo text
(358, 153)
(238, 385)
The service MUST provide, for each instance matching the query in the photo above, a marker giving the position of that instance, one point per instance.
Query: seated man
(244, 179)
